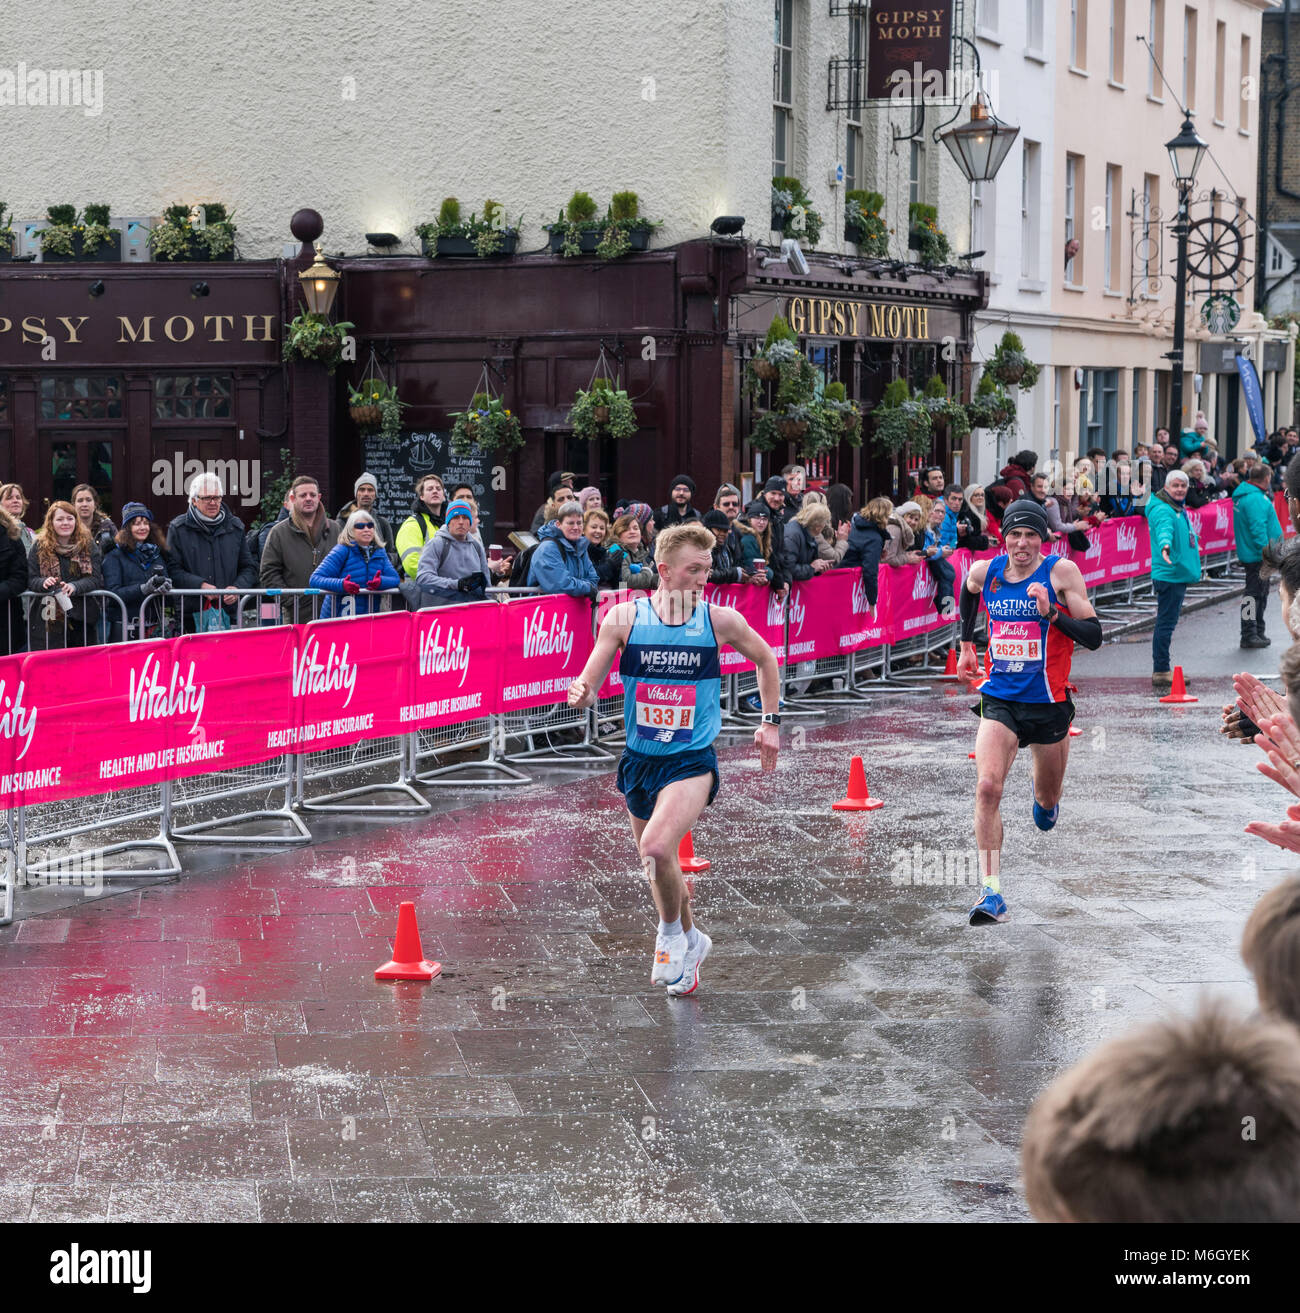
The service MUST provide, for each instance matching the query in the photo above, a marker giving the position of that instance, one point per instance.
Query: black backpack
(522, 563)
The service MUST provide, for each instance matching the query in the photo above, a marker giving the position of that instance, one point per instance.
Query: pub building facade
(129, 377)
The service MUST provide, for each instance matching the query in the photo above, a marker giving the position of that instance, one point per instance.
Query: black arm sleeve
(1087, 632)
(970, 614)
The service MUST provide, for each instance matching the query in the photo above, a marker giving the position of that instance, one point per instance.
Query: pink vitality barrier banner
(553, 637)
(830, 616)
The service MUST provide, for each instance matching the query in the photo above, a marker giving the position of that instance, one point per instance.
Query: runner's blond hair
(693, 534)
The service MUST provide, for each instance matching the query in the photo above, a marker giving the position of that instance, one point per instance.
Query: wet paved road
(856, 1051)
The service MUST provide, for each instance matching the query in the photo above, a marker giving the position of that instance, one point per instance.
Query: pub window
(86, 396)
(922, 365)
(1189, 58)
(916, 171)
(783, 91)
(1246, 82)
(1220, 60)
(1079, 34)
(193, 396)
(853, 164)
(1117, 42)
(1074, 264)
(1034, 25)
(1156, 45)
(1111, 263)
(1029, 185)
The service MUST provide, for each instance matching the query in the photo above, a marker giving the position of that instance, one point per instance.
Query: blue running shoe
(990, 909)
(1043, 818)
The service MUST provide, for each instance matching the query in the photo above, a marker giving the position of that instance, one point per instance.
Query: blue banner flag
(1254, 400)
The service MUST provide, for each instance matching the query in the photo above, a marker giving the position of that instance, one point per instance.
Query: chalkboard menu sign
(396, 464)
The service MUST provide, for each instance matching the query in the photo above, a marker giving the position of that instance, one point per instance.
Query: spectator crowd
(369, 558)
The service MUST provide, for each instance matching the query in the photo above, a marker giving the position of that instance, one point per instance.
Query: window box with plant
(793, 213)
(7, 239)
(991, 407)
(901, 423)
(178, 240)
(475, 237)
(485, 425)
(1010, 365)
(925, 237)
(624, 229)
(577, 231)
(315, 337)
(863, 224)
(946, 415)
(66, 241)
(604, 410)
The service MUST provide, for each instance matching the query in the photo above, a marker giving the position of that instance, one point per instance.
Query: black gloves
(472, 582)
(156, 583)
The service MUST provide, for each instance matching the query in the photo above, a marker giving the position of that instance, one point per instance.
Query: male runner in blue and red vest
(1038, 609)
(670, 644)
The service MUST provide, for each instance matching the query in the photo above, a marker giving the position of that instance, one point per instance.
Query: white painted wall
(371, 113)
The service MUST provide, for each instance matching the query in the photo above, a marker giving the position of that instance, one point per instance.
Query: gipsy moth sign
(907, 44)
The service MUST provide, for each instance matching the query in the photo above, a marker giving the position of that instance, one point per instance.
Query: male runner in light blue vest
(670, 643)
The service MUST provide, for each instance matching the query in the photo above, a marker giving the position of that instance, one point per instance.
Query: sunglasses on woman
(363, 524)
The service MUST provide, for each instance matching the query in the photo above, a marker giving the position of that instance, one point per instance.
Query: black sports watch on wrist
(1050, 617)
(771, 718)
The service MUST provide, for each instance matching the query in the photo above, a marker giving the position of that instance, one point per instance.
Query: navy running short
(641, 776)
(1031, 722)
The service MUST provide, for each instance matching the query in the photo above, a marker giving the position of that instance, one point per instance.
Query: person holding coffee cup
(64, 564)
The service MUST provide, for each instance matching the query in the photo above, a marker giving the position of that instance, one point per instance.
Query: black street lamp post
(1185, 151)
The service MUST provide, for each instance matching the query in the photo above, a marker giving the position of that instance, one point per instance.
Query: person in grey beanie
(365, 497)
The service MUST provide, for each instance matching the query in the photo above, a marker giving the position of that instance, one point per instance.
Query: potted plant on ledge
(179, 239)
(925, 237)
(901, 423)
(793, 214)
(624, 229)
(577, 231)
(66, 241)
(779, 347)
(450, 235)
(1010, 365)
(863, 224)
(603, 410)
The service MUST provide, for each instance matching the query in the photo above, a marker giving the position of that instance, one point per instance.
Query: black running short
(1031, 722)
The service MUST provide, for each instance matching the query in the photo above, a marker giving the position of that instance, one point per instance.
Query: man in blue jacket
(560, 564)
(1175, 563)
(1255, 524)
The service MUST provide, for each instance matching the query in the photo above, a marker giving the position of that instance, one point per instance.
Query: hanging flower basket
(763, 368)
(366, 417)
(792, 428)
(600, 414)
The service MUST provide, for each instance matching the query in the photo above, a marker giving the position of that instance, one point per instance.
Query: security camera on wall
(793, 256)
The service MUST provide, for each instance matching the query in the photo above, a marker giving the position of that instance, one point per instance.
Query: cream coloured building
(1102, 320)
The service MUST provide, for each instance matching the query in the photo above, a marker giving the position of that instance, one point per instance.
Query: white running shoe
(691, 967)
(670, 953)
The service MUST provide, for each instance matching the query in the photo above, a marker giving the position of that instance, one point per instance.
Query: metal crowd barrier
(110, 626)
(415, 758)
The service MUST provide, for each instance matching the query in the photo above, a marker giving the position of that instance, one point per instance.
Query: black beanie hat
(775, 484)
(1026, 515)
(716, 520)
(684, 479)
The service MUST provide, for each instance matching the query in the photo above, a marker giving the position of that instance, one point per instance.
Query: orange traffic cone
(686, 857)
(950, 667)
(1178, 693)
(408, 957)
(857, 799)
